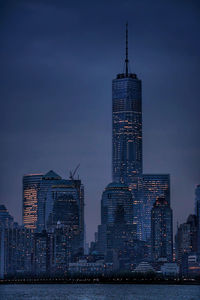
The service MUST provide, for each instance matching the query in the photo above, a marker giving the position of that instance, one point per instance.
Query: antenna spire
(126, 60)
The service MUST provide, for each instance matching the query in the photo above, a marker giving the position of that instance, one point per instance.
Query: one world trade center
(127, 134)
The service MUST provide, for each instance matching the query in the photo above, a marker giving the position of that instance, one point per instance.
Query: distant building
(90, 268)
(68, 206)
(64, 249)
(170, 269)
(31, 187)
(193, 265)
(117, 232)
(116, 204)
(54, 208)
(45, 199)
(144, 267)
(197, 212)
(119, 237)
(16, 251)
(186, 242)
(61, 200)
(153, 186)
(161, 230)
(6, 220)
(43, 253)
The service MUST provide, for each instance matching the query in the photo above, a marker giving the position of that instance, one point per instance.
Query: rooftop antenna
(126, 60)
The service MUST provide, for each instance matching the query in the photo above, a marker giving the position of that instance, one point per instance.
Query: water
(99, 292)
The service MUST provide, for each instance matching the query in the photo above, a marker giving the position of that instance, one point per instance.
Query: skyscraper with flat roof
(127, 134)
(45, 199)
(31, 187)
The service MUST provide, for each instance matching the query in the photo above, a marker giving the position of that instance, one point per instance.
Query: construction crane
(72, 173)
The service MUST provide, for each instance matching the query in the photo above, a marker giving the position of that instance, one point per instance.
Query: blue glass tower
(154, 185)
(116, 204)
(127, 134)
(45, 199)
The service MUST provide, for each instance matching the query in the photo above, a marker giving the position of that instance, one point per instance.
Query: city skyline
(42, 151)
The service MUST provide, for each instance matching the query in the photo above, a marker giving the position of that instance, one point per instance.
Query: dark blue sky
(58, 59)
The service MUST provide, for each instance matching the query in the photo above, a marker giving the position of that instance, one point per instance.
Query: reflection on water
(99, 292)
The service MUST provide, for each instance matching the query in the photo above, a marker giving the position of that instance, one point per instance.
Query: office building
(117, 233)
(63, 248)
(43, 253)
(153, 186)
(127, 134)
(31, 187)
(61, 200)
(16, 250)
(116, 204)
(67, 210)
(186, 242)
(45, 200)
(161, 230)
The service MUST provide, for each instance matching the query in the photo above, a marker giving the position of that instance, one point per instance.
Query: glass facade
(31, 187)
(153, 186)
(186, 242)
(116, 204)
(45, 200)
(161, 230)
(61, 200)
(127, 137)
(127, 128)
(66, 205)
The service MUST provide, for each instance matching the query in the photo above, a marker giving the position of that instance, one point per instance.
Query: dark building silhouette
(161, 230)
(116, 204)
(6, 220)
(68, 210)
(186, 242)
(64, 248)
(16, 249)
(117, 233)
(45, 199)
(197, 212)
(43, 253)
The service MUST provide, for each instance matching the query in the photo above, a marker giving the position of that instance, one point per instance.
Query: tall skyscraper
(45, 199)
(117, 231)
(127, 133)
(153, 186)
(66, 206)
(31, 187)
(161, 230)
